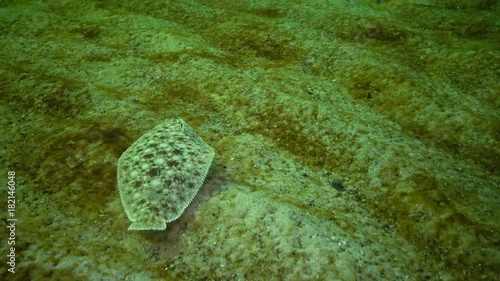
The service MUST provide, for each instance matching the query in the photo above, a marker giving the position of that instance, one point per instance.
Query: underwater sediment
(355, 140)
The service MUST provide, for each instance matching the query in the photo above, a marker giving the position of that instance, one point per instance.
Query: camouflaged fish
(160, 174)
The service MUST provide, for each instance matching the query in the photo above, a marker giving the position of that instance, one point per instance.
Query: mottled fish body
(160, 174)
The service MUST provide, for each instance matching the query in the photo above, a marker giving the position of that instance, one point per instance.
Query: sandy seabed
(355, 140)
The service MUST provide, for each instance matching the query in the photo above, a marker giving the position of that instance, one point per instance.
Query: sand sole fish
(160, 174)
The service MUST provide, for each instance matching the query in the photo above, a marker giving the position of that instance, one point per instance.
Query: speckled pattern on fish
(160, 174)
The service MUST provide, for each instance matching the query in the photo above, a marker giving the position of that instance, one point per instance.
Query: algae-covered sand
(355, 140)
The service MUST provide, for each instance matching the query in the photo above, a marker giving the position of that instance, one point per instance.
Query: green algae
(401, 111)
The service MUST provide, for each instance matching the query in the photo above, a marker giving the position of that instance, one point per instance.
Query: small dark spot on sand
(337, 184)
